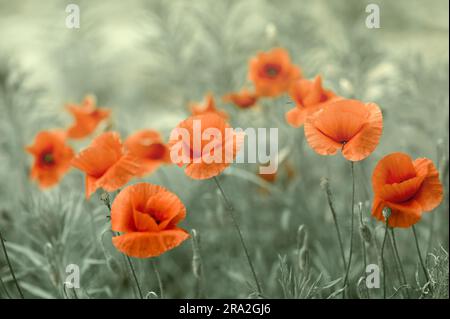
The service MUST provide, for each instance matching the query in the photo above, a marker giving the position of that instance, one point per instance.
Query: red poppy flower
(87, 118)
(272, 73)
(148, 148)
(407, 187)
(51, 157)
(309, 96)
(206, 144)
(209, 106)
(347, 125)
(243, 99)
(106, 164)
(147, 215)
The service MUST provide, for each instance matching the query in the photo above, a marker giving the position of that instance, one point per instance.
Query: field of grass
(146, 61)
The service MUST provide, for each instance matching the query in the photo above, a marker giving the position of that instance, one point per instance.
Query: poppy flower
(244, 99)
(51, 157)
(148, 148)
(106, 164)
(147, 215)
(272, 73)
(347, 125)
(309, 96)
(206, 144)
(87, 117)
(208, 106)
(408, 187)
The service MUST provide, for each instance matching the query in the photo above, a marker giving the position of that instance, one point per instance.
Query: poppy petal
(319, 142)
(431, 192)
(146, 245)
(122, 218)
(296, 117)
(393, 168)
(119, 174)
(367, 139)
(402, 215)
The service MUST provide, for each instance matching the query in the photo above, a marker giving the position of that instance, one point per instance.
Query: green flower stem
(230, 209)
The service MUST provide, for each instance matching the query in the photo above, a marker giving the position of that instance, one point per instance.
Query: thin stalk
(427, 276)
(133, 272)
(399, 262)
(363, 245)
(382, 258)
(10, 266)
(230, 209)
(158, 278)
(336, 224)
(347, 272)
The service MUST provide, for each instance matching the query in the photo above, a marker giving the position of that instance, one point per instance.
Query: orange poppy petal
(431, 192)
(392, 168)
(130, 198)
(146, 245)
(91, 185)
(104, 151)
(319, 142)
(119, 174)
(367, 139)
(296, 117)
(401, 192)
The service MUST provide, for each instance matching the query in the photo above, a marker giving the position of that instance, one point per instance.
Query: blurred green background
(146, 60)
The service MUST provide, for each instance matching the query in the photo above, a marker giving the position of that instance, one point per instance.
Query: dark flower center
(47, 159)
(272, 70)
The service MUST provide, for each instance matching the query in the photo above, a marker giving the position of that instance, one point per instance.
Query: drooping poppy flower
(244, 99)
(106, 164)
(208, 106)
(407, 187)
(309, 96)
(272, 73)
(348, 125)
(87, 117)
(148, 148)
(51, 157)
(147, 215)
(206, 144)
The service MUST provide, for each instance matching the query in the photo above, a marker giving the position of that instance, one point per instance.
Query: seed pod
(365, 233)
(303, 259)
(386, 212)
(196, 258)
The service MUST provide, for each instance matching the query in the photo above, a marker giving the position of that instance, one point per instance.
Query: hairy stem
(347, 272)
(336, 224)
(427, 276)
(382, 258)
(230, 209)
(399, 262)
(158, 278)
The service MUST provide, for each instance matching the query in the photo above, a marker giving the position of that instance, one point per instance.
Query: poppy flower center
(156, 151)
(272, 70)
(47, 159)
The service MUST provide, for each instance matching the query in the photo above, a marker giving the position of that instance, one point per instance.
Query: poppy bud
(365, 233)
(303, 259)
(386, 213)
(196, 258)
